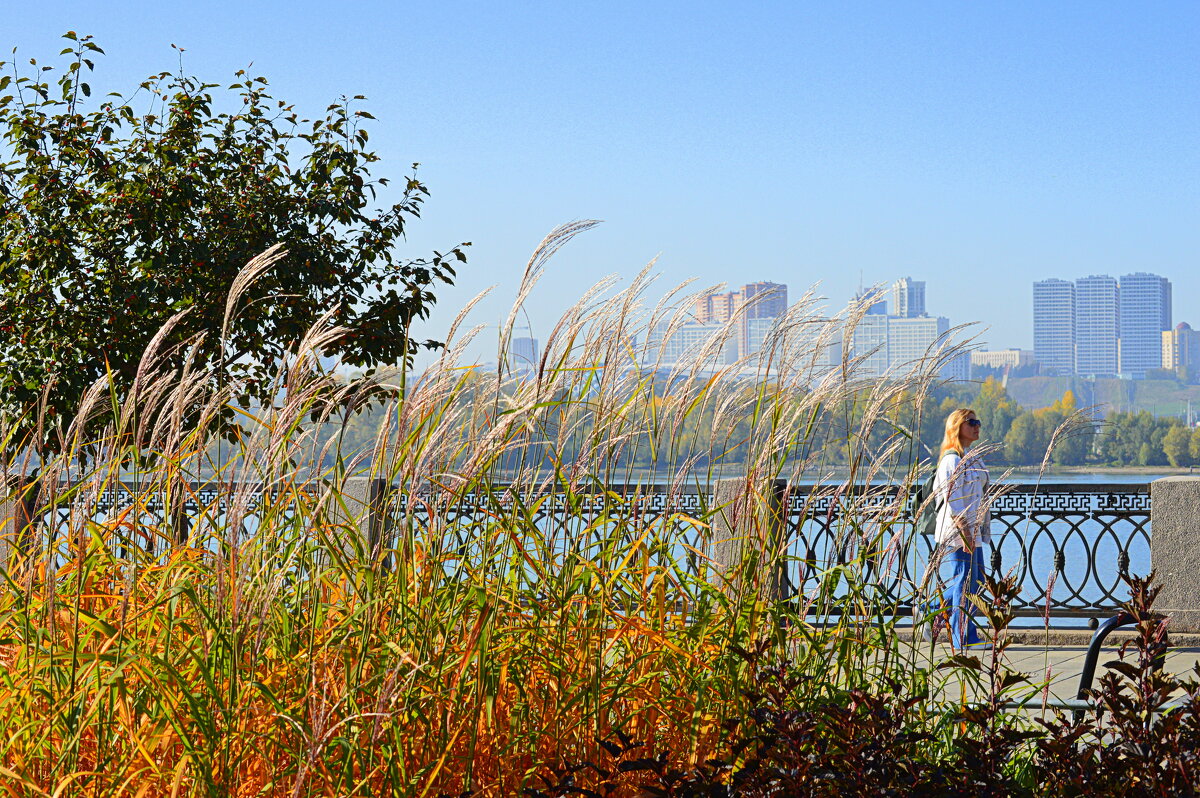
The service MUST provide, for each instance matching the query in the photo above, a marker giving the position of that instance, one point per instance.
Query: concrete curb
(1073, 638)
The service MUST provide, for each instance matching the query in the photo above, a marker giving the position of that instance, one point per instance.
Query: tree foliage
(117, 214)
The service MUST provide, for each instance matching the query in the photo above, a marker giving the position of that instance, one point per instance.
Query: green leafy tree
(1177, 446)
(1070, 434)
(117, 214)
(1024, 443)
(996, 409)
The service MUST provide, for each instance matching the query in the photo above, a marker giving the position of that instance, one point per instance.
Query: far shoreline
(1131, 470)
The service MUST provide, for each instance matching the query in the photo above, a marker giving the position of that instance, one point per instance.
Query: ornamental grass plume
(510, 572)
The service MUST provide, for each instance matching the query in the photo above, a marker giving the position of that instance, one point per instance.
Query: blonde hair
(952, 440)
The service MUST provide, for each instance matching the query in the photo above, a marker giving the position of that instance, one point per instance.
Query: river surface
(1116, 477)
(1077, 478)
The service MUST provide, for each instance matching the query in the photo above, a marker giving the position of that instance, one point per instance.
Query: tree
(1026, 441)
(996, 409)
(1177, 446)
(1067, 431)
(114, 218)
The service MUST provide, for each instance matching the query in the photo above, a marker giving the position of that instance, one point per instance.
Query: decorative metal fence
(1067, 545)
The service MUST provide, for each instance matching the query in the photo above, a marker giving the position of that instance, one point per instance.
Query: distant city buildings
(1002, 358)
(1098, 326)
(669, 344)
(1003, 363)
(1181, 352)
(867, 342)
(754, 309)
(908, 298)
(1145, 315)
(765, 300)
(899, 343)
(523, 357)
(1054, 325)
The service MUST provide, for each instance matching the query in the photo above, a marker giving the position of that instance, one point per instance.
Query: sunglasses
(974, 422)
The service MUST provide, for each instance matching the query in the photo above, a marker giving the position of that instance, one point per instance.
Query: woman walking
(963, 521)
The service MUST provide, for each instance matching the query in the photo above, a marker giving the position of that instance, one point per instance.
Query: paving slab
(1056, 667)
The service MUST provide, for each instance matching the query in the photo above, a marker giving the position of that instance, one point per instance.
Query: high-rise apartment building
(908, 298)
(913, 342)
(1145, 312)
(1181, 352)
(718, 308)
(765, 300)
(903, 342)
(922, 342)
(1097, 326)
(1054, 325)
(523, 356)
(762, 300)
(757, 334)
(867, 345)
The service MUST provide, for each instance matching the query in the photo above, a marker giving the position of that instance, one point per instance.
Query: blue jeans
(965, 580)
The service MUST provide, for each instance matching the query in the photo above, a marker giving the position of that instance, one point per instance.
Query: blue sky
(976, 146)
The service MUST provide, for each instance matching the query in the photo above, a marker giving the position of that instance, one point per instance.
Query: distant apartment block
(523, 352)
(813, 344)
(1100, 326)
(1145, 313)
(897, 346)
(908, 298)
(523, 356)
(1002, 358)
(757, 334)
(704, 345)
(1181, 352)
(911, 339)
(1097, 326)
(718, 308)
(1054, 325)
(765, 300)
(867, 345)
(754, 308)
(762, 301)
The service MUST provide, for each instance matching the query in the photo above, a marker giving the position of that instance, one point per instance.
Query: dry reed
(232, 626)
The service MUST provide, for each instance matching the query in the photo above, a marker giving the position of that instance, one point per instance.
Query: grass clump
(545, 584)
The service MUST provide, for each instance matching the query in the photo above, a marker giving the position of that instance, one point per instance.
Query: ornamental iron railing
(1069, 546)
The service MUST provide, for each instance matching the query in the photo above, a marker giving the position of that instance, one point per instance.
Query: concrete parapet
(747, 535)
(1175, 549)
(16, 514)
(360, 504)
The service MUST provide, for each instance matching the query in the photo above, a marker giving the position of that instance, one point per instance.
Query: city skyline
(1123, 327)
(1104, 326)
(979, 147)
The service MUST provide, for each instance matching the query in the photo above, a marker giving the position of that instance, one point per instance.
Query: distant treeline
(905, 428)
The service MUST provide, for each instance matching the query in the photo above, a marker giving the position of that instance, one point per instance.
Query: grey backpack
(925, 522)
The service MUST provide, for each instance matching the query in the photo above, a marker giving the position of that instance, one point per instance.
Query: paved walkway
(1062, 665)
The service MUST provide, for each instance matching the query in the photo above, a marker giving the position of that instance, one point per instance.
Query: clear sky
(975, 146)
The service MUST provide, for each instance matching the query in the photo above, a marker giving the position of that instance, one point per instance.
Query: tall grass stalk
(228, 628)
